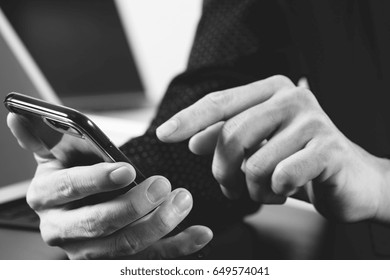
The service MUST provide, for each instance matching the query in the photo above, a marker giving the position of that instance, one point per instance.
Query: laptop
(31, 65)
(82, 50)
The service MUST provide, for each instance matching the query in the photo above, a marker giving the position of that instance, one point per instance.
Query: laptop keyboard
(17, 214)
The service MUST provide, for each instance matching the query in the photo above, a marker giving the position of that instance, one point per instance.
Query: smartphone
(69, 135)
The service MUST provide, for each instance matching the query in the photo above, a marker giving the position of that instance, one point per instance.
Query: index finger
(57, 187)
(219, 106)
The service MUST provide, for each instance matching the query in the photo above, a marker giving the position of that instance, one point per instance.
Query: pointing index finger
(218, 106)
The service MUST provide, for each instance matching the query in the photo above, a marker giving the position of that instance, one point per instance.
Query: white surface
(14, 191)
(161, 34)
(295, 230)
(119, 130)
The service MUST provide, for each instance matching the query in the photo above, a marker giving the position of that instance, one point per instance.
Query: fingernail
(122, 176)
(158, 190)
(167, 128)
(182, 202)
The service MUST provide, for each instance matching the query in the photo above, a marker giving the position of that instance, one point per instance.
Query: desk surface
(26, 245)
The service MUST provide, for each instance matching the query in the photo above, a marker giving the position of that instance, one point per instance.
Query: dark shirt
(342, 47)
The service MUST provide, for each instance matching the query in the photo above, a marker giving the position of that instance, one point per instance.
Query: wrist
(382, 213)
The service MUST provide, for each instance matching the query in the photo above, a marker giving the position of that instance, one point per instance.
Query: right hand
(130, 225)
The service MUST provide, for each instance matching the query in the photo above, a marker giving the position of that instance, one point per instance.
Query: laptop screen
(81, 48)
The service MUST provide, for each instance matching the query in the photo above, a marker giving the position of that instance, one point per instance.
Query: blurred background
(112, 59)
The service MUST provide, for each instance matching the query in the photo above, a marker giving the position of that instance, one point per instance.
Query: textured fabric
(217, 62)
(341, 46)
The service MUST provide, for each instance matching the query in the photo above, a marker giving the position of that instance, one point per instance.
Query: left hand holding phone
(130, 225)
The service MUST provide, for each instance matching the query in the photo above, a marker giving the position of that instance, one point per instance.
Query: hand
(131, 224)
(274, 139)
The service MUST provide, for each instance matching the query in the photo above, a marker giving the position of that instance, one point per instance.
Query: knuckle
(281, 80)
(78, 186)
(323, 157)
(304, 94)
(92, 226)
(32, 198)
(67, 186)
(296, 98)
(50, 235)
(313, 125)
(127, 244)
(165, 223)
(306, 98)
(219, 98)
(218, 101)
(317, 121)
(285, 99)
(323, 153)
(230, 132)
(254, 168)
(273, 115)
(132, 210)
(332, 146)
(71, 186)
(91, 183)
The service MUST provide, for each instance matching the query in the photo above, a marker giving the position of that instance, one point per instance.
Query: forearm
(383, 207)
